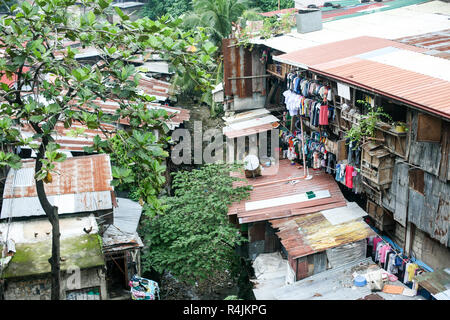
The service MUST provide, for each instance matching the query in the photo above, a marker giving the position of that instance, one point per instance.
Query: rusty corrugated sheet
(269, 186)
(69, 142)
(227, 65)
(307, 234)
(339, 61)
(436, 43)
(240, 62)
(155, 87)
(74, 175)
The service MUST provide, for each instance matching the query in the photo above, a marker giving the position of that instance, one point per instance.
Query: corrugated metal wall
(241, 62)
(430, 212)
(309, 265)
(426, 155)
(347, 253)
(396, 197)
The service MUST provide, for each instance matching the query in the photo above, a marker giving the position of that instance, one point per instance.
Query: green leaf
(122, 16)
(36, 118)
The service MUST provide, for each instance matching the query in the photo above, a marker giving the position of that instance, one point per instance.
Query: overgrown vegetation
(194, 239)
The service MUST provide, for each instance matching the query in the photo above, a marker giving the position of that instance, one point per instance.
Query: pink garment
(323, 115)
(349, 176)
(375, 242)
(383, 252)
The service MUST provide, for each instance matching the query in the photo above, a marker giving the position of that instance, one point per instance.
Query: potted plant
(400, 127)
(367, 124)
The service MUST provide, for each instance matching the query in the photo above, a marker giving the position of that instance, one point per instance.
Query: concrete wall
(430, 251)
(39, 288)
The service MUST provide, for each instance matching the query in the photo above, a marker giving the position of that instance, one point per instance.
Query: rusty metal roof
(69, 142)
(376, 65)
(436, 43)
(307, 234)
(74, 175)
(153, 87)
(272, 184)
(80, 184)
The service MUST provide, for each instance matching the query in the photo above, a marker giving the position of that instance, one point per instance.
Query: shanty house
(305, 217)
(80, 185)
(27, 273)
(85, 199)
(122, 248)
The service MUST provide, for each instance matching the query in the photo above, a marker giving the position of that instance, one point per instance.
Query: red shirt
(323, 115)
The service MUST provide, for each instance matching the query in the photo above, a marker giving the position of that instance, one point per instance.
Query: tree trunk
(56, 257)
(52, 215)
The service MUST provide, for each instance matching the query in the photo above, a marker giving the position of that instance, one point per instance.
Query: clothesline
(397, 252)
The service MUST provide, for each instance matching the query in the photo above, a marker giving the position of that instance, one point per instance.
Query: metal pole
(303, 146)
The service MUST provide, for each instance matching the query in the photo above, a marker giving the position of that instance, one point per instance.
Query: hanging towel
(349, 176)
(323, 115)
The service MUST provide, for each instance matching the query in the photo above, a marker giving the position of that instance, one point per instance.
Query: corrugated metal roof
(281, 11)
(311, 233)
(115, 240)
(272, 184)
(436, 43)
(127, 215)
(75, 175)
(179, 114)
(344, 62)
(122, 234)
(153, 87)
(435, 282)
(65, 138)
(391, 24)
(336, 284)
(248, 123)
(81, 184)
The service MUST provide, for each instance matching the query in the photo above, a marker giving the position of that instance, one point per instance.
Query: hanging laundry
(391, 267)
(349, 177)
(383, 252)
(411, 269)
(323, 117)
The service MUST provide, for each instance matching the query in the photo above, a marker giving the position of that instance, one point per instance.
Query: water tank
(308, 20)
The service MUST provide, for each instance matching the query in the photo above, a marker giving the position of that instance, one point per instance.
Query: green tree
(216, 16)
(51, 86)
(5, 5)
(194, 239)
(272, 5)
(155, 9)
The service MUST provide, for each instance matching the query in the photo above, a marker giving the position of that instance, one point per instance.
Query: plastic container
(360, 281)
